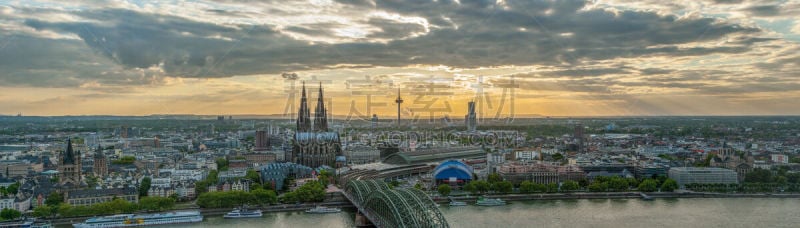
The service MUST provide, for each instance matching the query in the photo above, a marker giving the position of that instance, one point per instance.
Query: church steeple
(69, 170)
(69, 156)
(320, 114)
(303, 115)
(99, 152)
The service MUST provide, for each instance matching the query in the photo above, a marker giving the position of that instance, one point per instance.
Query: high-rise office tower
(471, 119)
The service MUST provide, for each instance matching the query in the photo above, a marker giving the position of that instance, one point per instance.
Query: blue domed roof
(453, 168)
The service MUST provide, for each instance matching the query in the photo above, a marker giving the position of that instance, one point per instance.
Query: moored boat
(323, 210)
(128, 220)
(26, 223)
(489, 202)
(458, 203)
(243, 213)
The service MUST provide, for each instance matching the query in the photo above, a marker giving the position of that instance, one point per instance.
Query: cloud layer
(733, 51)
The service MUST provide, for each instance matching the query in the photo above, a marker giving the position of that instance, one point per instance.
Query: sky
(513, 57)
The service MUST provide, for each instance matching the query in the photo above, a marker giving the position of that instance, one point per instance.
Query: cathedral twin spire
(320, 114)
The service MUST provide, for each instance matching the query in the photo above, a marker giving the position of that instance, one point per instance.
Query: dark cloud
(289, 76)
(652, 71)
(710, 82)
(356, 2)
(40, 62)
(587, 85)
(316, 29)
(728, 1)
(764, 10)
(575, 73)
(527, 33)
(394, 29)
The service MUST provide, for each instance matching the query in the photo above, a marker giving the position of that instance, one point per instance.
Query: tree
(222, 164)
(781, 180)
(418, 186)
(494, 178)
(144, 186)
(324, 177)
(126, 160)
(91, 181)
(265, 197)
(538, 187)
(583, 182)
(504, 187)
(669, 185)
(311, 191)
(253, 176)
(289, 197)
(43, 211)
(758, 175)
(552, 188)
(225, 199)
(444, 189)
(618, 184)
(54, 199)
(526, 187)
(470, 187)
(482, 186)
(9, 214)
(569, 185)
(557, 156)
(632, 182)
(648, 185)
(211, 178)
(598, 186)
(154, 203)
(393, 184)
(13, 188)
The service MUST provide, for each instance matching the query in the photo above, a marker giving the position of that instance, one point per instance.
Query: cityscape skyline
(564, 58)
(399, 113)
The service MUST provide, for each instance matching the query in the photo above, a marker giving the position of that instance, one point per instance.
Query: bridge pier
(363, 221)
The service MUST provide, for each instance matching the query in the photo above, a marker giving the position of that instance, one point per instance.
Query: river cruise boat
(26, 223)
(489, 202)
(323, 210)
(243, 213)
(128, 220)
(457, 203)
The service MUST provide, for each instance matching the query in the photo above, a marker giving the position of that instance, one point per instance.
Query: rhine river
(696, 212)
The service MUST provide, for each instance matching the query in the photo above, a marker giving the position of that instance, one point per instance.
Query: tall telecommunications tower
(398, 101)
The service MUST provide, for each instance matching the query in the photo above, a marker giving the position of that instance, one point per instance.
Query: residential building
(90, 197)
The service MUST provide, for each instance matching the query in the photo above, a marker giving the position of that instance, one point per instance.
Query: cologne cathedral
(316, 145)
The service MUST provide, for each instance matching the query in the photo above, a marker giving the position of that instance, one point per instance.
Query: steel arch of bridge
(394, 207)
(360, 189)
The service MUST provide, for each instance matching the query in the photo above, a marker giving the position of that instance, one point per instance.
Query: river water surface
(722, 212)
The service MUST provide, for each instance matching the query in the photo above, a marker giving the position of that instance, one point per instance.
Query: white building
(187, 174)
(241, 185)
(161, 182)
(7, 202)
(23, 205)
(702, 175)
(762, 165)
(526, 155)
(160, 191)
(779, 158)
